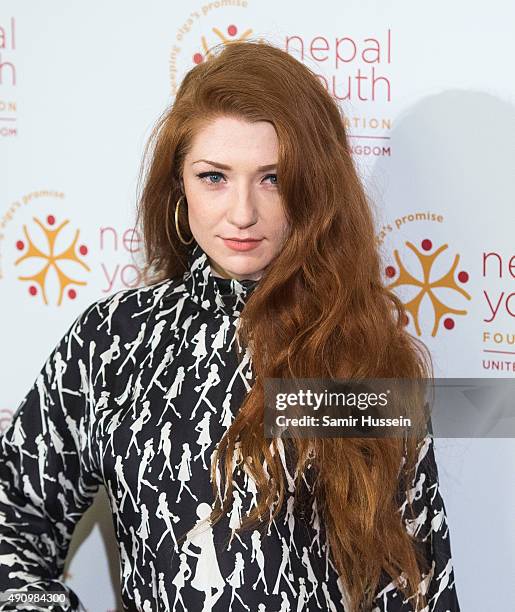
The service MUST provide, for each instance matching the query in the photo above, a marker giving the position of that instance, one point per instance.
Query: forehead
(230, 140)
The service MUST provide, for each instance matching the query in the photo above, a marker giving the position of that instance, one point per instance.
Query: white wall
(91, 79)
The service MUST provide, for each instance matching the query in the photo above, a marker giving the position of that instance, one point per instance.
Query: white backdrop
(431, 118)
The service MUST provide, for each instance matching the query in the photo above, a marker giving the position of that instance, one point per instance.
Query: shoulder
(131, 302)
(122, 313)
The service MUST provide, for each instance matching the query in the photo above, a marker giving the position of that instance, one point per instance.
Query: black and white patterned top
(135, 397)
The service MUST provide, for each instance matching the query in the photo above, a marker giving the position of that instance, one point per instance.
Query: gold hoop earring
(177, 222)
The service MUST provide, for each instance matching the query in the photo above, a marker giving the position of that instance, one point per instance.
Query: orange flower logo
(50, 260)
(231, 36)
(427, 285)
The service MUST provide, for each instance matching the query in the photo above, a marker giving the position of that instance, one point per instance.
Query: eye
(215, 175)
(204, 175)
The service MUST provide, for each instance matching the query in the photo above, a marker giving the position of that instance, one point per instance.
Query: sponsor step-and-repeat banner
(428, 97)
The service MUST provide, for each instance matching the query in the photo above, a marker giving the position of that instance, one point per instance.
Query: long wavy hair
(321, 309)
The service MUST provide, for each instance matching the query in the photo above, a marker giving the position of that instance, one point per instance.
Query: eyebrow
(226, 167)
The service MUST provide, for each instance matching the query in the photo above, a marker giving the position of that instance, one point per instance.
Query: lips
(240, 244)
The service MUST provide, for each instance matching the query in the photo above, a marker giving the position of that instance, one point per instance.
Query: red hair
(320, 310)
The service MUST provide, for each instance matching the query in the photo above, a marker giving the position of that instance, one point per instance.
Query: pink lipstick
(241, 245)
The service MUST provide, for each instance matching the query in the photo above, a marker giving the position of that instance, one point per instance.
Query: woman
(261, 262)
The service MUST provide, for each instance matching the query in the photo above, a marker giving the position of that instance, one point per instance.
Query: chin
(250, 270)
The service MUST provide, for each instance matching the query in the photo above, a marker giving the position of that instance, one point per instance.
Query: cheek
(196, 197)
(278, 224)
(201, 213)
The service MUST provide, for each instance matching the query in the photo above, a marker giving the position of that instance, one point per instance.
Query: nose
(242, 209)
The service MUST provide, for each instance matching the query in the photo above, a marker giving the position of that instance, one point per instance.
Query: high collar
(214, 293)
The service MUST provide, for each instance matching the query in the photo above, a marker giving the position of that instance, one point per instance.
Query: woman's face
(231, 191)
